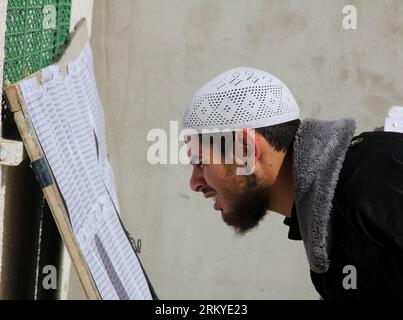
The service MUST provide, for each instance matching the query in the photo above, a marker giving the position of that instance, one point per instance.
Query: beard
(248, 207)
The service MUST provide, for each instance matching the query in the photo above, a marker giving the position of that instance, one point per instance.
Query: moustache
(206, 189)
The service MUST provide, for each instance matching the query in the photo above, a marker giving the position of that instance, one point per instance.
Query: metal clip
(357, 141)
(135, 244)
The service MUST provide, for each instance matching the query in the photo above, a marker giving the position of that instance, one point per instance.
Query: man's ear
(247, 148)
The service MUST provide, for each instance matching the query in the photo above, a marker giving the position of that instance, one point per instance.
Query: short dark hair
(280, 136)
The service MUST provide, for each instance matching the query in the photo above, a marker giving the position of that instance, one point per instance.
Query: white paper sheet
(68, 119)
(394, 120)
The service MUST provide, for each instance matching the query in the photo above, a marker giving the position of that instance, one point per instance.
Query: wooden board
(50, 189)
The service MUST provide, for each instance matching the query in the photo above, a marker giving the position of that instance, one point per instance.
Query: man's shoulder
(371, 155)
(370, 189)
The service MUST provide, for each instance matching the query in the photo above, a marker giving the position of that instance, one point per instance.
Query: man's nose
(197, 181)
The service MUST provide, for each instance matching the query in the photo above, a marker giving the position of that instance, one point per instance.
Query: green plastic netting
(36, 31)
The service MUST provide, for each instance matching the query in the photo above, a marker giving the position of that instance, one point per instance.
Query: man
(342, 195)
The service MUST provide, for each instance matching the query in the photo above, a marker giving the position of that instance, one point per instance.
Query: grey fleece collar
(319, 151)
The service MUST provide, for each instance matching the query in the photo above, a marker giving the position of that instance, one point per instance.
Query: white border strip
(3, 17)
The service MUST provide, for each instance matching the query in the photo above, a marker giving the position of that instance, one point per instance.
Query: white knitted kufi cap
(241, 98)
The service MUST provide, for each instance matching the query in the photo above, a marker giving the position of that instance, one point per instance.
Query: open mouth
(213, 197)
(210, 193)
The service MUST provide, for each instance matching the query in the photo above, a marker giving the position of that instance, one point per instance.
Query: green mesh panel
(31, 44)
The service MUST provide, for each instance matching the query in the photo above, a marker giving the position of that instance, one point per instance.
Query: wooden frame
(16, 104)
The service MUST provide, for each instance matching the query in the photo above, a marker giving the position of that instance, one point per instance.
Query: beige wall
(81, 9)
(151, 55)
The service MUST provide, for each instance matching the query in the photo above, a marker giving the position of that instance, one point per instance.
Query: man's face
(242, 200)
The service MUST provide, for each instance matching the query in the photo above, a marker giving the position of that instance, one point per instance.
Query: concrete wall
(81, 9)
(151, 55)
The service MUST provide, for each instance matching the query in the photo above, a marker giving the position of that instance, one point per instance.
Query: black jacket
(367, 221)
